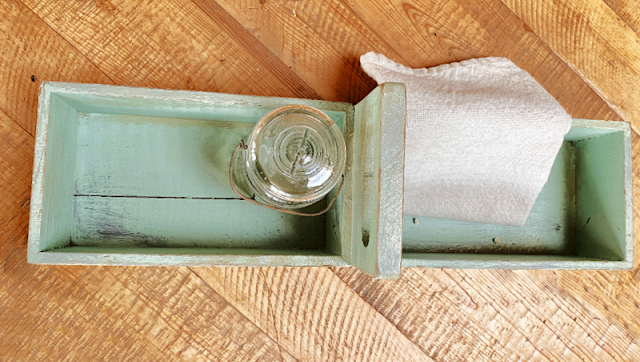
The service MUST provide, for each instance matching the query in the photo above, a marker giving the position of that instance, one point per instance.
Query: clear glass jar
(295, 155)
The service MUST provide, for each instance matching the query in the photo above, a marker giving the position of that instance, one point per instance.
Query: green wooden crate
(582, 219)
(132, 176)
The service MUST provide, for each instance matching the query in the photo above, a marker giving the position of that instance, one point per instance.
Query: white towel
(481, 138)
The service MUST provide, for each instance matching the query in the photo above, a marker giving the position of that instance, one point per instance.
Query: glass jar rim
(274, 191)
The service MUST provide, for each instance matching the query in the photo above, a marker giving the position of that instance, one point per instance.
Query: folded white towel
(481, 138)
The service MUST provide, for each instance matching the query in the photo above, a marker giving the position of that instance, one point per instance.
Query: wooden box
(133, 176)
(582, 219)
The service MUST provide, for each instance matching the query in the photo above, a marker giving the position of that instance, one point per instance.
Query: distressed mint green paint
(147, 156)
(600, 198)
(57, 205)
(189, 257)
(94, 98)
(139, 176)
(590, 180)
(132, 249)
(137, 137)
(579, 131)
(192, 223)
(377, 206)
(512, 261)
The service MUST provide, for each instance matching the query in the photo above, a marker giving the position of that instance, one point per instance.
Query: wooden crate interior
(579, 215)
(122, 178)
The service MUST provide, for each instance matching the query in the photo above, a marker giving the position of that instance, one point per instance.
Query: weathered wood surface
(596, 42)
(306, 49)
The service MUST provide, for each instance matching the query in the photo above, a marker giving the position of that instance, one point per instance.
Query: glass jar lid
(296, 154)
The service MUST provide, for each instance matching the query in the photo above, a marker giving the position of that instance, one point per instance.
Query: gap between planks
(159, 197)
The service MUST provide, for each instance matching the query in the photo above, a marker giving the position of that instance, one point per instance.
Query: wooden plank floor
(586, 53)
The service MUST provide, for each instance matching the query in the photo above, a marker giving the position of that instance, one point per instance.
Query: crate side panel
(600, 172)
(60, 154)
(339, 217)
(190, 105)
(154, 156)
(87, 255)
(494, 261)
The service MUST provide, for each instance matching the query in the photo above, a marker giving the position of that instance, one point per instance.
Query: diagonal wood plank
(16, 150)
(256, 49)
(615, 296)
(431, 316)
(629, 11)
(167, 44)
(492, 315)
(432, 32)
(312, 314)
(102, 313)
(32, 52)
(593, 40)
(320, 40)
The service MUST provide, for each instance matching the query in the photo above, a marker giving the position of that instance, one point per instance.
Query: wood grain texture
(595, 42)
(315, 38)
(33, 52)
(492, 315)
(93, 313)
(627, 11)
(256, 49)
(432, 32)
(287, 314)
(16, 150)
(162, 45)
(312, 314)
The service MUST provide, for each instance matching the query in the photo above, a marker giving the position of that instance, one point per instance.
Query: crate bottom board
(163, 182)
(191, 223)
